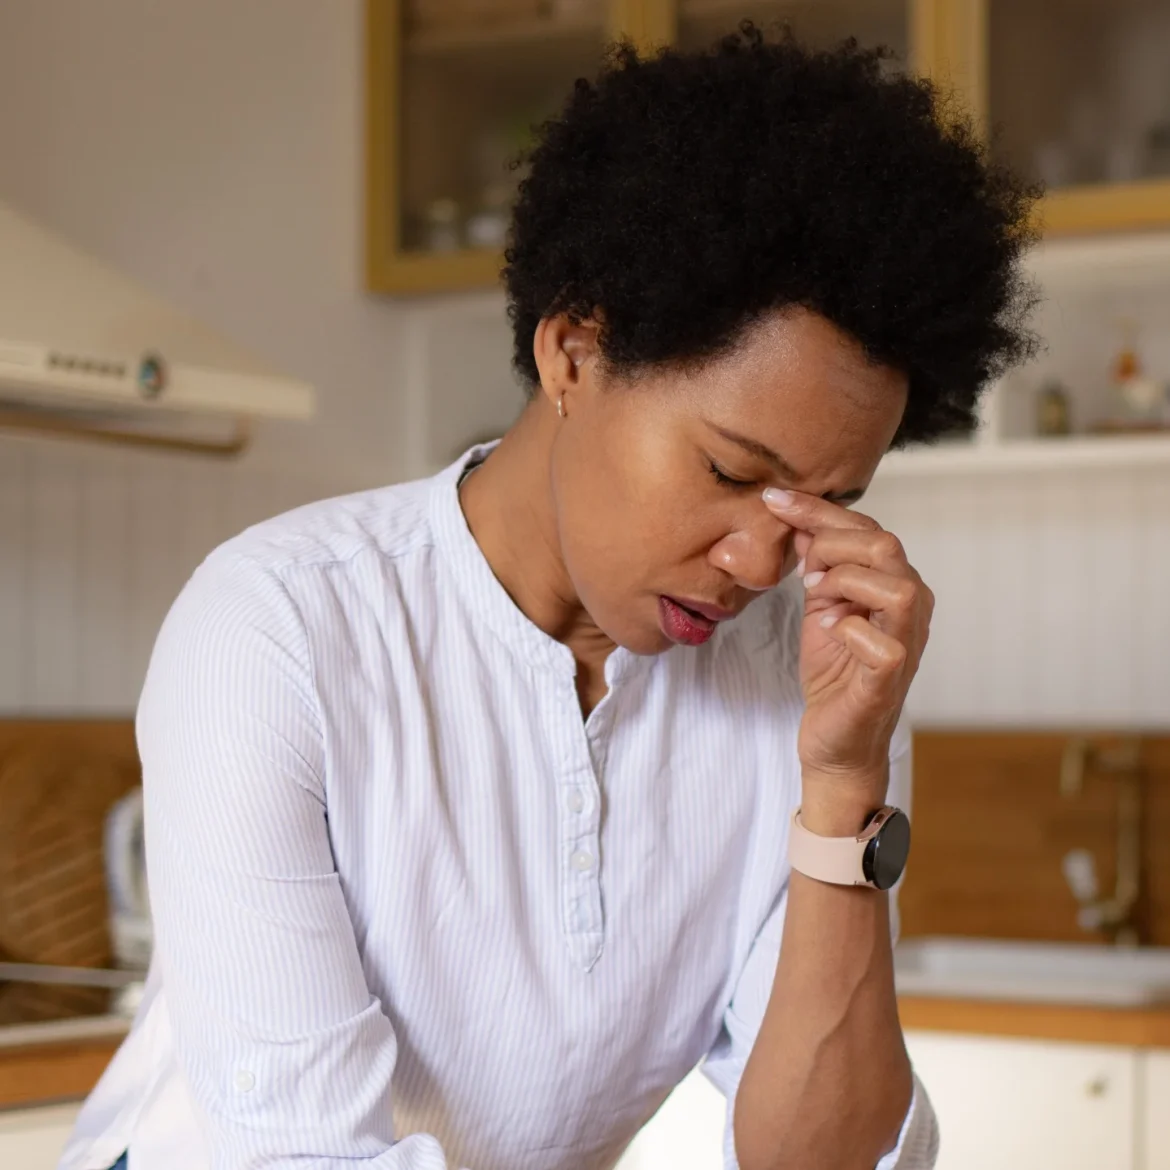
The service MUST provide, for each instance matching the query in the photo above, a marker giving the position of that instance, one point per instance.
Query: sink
(1041, 972)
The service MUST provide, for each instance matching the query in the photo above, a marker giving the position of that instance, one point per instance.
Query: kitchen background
(222, 154)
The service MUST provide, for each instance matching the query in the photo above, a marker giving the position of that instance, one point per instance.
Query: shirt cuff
(917, 1147)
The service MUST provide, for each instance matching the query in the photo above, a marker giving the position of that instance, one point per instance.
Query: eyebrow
(761, 451)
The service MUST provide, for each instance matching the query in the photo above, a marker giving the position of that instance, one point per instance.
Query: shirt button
(576, 801)
(583, 860)
(245, 1081)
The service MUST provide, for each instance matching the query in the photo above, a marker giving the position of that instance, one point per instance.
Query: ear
(566, 356)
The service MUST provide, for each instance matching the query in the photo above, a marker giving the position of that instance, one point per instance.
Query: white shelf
(63, 1031)
(1008, 455)
(1126, 260)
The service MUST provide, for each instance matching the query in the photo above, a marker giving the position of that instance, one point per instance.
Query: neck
(509, 506)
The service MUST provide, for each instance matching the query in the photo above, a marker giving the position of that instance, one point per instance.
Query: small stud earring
(561, 406)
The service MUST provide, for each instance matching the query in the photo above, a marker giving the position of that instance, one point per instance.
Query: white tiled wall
(1053, 589)
(94, 546)
(1053, 595)
(242, 203)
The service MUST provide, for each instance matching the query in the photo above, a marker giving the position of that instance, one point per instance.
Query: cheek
(629, 508)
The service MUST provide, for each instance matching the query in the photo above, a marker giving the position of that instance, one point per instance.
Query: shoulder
(247, 601)
(387, 522)
(280, 561)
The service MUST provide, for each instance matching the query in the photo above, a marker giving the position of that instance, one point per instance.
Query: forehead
(802, 386)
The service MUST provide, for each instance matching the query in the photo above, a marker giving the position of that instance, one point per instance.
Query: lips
(712, 613)
(689, 623)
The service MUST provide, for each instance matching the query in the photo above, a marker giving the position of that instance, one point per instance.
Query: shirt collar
(481, 591)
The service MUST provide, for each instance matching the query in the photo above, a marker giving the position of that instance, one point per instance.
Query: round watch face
(885, 856)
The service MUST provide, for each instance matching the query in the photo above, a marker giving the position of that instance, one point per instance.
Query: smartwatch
(876, 857)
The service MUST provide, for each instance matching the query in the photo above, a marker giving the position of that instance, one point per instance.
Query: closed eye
(729, 481)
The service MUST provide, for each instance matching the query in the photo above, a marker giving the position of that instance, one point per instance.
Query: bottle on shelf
(1053, 411)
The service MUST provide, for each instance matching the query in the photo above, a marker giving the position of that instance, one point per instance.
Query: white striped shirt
(411, 910)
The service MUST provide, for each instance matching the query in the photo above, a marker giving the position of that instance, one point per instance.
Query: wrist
(841, 805)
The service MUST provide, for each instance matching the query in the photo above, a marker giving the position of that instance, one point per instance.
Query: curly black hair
(680, 197)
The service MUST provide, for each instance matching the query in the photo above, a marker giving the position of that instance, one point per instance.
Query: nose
(755, 552)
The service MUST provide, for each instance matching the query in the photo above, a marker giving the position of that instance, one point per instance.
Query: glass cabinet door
(461, 84)
(1079, 92)
(819, 23)
(1078, 97)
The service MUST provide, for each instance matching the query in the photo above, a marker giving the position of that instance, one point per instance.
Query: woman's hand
(867, 618)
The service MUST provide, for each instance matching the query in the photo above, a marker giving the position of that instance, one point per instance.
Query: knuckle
(889, 546)
(906, 593)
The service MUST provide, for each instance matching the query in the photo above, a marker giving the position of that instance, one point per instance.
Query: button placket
(578, 813)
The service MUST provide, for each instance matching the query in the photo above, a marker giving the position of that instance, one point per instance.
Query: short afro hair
(682, 196)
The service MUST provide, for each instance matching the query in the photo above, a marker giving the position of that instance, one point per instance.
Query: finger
(801, 541)
(894, 602)
(811, 513)
(823, 607)
(873, 549)
(881, 652)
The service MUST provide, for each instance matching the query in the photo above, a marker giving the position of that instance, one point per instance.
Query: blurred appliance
(125, 853)
(85, 351)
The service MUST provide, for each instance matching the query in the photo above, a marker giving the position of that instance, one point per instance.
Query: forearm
(828, 1084)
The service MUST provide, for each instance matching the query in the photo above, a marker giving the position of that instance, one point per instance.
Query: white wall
(1052, 595)
(212, 148)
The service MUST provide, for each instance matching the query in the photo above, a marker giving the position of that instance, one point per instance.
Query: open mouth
(682, 624)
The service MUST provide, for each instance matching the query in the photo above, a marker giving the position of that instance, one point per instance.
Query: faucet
(1115, 916)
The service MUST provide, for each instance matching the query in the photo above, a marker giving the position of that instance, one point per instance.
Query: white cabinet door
(1029, 1104)
(32, 1139)
(685, 1134)
(1155, 1099)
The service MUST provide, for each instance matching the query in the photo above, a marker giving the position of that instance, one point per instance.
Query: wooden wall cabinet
(1075, 95)
(453, 86)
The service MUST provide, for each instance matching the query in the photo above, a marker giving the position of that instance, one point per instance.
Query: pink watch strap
(836, 860)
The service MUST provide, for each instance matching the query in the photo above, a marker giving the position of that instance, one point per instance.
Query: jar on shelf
(487, 226)
(1053, 412)
(441, 225)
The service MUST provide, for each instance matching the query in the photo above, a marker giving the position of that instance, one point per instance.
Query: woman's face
(657, 482)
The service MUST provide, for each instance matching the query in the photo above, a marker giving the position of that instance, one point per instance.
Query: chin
(649, 642)
(637, 637)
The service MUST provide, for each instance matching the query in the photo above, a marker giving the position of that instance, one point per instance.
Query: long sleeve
(917, 1147)
(288, 1055)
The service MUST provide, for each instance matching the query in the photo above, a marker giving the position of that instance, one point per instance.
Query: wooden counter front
(36, 1074)
(1147, 1027)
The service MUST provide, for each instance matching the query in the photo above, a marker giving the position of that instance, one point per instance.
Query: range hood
(86, 352)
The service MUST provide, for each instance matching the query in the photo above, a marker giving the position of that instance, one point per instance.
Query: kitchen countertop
(1129, 1027)
(40, 1063)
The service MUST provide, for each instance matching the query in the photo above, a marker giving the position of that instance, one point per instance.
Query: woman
(470, 802)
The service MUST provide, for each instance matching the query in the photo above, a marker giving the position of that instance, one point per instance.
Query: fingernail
(830, 619)
(799, 570)
(779, 497)
(813, 579)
